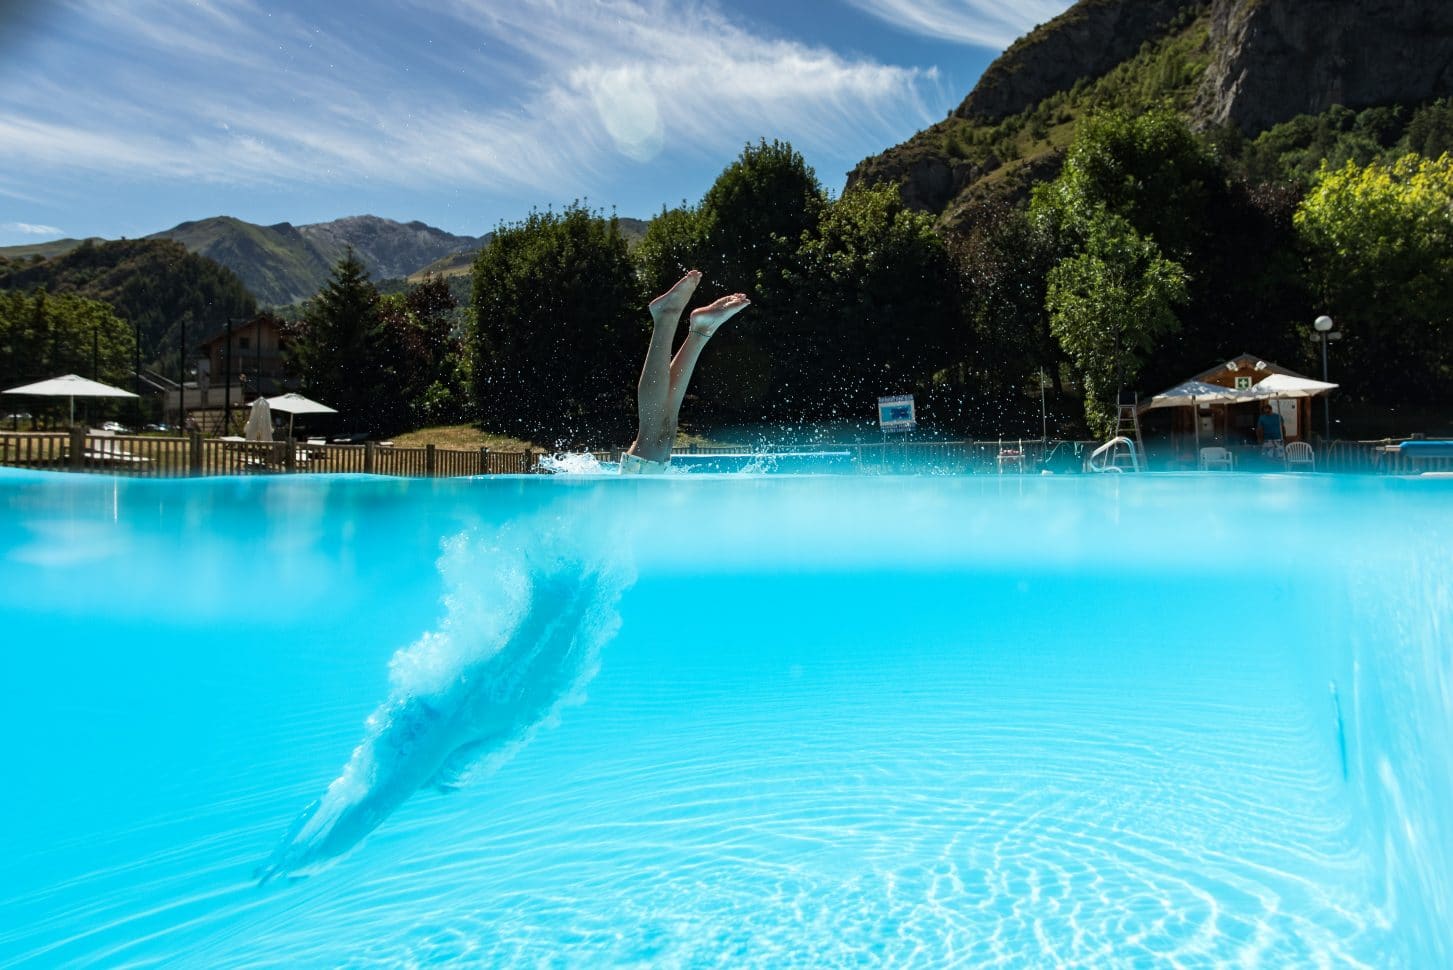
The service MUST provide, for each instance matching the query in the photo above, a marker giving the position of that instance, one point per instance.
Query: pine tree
(339, 351)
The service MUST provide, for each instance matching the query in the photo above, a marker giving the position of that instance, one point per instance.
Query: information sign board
(896, 413)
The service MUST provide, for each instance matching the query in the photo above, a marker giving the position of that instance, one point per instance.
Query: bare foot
(667, 307)
(705, 320)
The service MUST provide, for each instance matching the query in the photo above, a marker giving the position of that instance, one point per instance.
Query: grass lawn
(462, 437)
(467, 437)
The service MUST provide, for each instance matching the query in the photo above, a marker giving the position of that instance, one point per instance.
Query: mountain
(1236, 66)
(276, 263)
(389, 249)
(1271, 61)
(284, 264)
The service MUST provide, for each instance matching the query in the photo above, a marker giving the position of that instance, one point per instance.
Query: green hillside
(276, 263)
(455, 264)
(155, 285)
(1004, 159)
(43, 250)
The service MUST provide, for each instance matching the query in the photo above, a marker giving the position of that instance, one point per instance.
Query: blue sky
(127, 117)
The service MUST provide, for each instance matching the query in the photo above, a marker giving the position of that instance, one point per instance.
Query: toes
(674, 300)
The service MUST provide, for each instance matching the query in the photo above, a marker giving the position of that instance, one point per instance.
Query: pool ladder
(1125, 451)
(1117, 455)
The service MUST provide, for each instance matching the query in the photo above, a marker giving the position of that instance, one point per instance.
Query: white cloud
(531, 94)
(980, 23)
(31, 229)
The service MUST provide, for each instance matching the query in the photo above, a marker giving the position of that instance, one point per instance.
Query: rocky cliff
(1274, 59)
(1247, 63)
(1082, 43)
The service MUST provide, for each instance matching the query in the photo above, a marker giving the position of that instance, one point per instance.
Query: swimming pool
(735, 720)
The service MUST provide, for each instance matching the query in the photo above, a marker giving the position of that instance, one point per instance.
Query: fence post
(484, 461)
(78, 448)
(429, 459)
(368, 458)
(194, 452)
(529, 460)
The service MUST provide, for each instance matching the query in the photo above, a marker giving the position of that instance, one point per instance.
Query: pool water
(726, 720)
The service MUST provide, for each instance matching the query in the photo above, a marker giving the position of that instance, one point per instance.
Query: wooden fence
(193, 455)
(152, 456)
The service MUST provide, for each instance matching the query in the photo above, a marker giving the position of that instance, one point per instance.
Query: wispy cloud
(533, 94)
(980, 23)
(31, 229)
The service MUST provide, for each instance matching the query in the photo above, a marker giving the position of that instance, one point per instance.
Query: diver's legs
(704, 322)
(653, 391)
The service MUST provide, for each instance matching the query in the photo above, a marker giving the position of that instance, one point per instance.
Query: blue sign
(896, 413)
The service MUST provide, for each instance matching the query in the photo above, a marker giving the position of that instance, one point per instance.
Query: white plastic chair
(1216, 458)
(1299, 457)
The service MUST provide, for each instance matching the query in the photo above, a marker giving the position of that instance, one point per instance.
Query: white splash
(527, 613)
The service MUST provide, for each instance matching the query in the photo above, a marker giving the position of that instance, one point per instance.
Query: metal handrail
(1106, 458)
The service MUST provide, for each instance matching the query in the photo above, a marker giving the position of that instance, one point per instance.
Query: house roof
(1225, 374)
(238, 328)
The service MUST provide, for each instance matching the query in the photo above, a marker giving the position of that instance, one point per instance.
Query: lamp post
(182, 380)
(1325, 334)
(1043, 413)
(227, 383)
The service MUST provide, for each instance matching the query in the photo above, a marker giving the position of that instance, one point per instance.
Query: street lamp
(1325, 334)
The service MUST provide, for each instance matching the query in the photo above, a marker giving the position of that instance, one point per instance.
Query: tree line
(1151, 256)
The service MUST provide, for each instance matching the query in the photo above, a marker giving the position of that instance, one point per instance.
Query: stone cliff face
(1085, 41)
(1256, 64)
(927, 180)
(1275, 59)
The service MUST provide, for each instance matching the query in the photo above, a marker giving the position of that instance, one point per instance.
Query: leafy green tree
(1109, 306)
(1246, 290)
(1003, 340)
(868, 308)
(1130, 209)
(560, 328)
(675, 242)
(1379, 240)
(340, 351)
(44, 335)
(427, 355)
(1149, 169)
(1430, 132)
(750, 223)
(753, 216)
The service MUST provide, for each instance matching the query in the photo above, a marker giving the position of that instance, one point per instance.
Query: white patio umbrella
(70, 386)
(1193, 393)
(1278, 386)
(259, 422)
(293, 404)
(1285, 385)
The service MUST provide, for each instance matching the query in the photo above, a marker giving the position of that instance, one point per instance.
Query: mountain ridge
(283, 264)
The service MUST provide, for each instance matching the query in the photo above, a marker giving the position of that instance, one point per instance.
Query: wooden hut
(1233, 425)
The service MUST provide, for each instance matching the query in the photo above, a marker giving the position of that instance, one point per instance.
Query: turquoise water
(731, 721)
